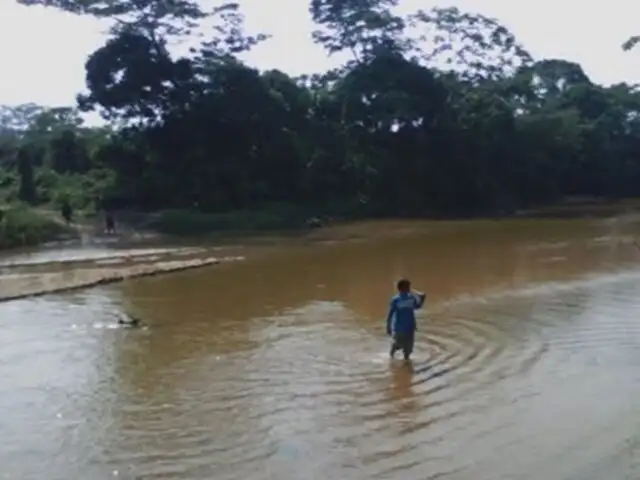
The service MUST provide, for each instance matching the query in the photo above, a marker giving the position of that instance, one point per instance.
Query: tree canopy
(439, 112)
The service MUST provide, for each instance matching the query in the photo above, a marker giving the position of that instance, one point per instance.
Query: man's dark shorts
(403, 341)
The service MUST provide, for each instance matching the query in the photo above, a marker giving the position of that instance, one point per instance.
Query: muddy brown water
(527, 363)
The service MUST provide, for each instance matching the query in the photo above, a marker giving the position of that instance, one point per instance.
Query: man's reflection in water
(402, 394)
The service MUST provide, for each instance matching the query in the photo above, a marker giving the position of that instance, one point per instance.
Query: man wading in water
(401, 320)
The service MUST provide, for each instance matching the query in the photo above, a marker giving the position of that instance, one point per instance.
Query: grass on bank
(187, 222)
(287, 218)
(21, 226)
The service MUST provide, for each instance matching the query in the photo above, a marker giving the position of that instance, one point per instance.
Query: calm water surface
(527, 363)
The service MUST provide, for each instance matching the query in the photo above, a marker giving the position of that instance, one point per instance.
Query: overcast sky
(43, 50)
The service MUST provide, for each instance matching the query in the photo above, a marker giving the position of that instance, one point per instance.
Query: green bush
(80, 190)
(189, 222)
(20, 226)
(52, 188)
(9, 185)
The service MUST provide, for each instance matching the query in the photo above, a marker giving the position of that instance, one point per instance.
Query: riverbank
(30, 227)
(582, 207)
(63, 267)
(26, 227)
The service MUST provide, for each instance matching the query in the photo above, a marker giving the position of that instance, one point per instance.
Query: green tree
(438, 112)
(27, 192)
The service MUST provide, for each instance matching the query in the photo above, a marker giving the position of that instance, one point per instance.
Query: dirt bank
(51, 258)
(19, 286)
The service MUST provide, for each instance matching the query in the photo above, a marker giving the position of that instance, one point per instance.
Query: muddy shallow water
(526, 365)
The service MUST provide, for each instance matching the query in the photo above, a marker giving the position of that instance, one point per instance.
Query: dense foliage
(391, 132)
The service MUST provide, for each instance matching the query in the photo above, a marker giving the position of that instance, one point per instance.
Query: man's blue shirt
(402, 307)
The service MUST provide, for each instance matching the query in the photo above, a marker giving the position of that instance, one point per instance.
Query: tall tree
(27, 192)
(476, 46)
(438, 112)
(361, 27)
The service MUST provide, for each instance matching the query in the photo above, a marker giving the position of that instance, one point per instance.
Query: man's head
(404, 285)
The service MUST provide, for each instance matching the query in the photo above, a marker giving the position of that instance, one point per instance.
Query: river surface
(527, 363)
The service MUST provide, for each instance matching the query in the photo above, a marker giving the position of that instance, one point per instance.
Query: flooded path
(527, 363)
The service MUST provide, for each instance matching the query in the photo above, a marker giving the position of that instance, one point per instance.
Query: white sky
(43, 50)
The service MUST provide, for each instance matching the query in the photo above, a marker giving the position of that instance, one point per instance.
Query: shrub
(189, 222)
(20, 226)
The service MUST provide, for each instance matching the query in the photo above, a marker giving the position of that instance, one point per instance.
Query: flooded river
(527, 363)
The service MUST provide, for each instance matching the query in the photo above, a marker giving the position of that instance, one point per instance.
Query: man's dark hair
(403, 284)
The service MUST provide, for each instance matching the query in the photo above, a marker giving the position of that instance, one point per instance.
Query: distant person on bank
(67, 212)
(109, 223)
